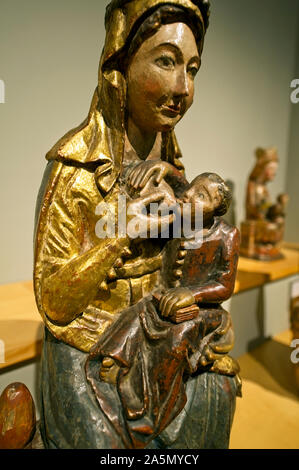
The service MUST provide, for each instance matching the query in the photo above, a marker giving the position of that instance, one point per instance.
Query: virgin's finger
(131, 178)
(146, 177)
(221, 348)
(137, 179)
(135, 176)
(222, 331)
(225, 325)
(223, 343)
(141, 175)
(211, 356)
(203, 361)
(132, 174)
(160, 175)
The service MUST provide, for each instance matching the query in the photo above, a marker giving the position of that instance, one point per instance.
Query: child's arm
(221, 289)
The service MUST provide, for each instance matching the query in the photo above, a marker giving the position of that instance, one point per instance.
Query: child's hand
(140, 175)
(174, 300)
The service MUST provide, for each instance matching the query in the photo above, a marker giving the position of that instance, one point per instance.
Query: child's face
(203, 193)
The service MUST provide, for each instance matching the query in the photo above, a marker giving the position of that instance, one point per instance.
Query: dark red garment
(154, 356)
(210, 270)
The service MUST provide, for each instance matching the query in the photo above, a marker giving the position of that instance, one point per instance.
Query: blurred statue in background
(263, 230)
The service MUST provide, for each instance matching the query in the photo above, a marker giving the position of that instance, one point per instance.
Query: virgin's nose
(182, 84)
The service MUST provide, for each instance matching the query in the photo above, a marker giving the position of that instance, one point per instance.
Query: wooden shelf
(21, 327)
(291, 246)
(272, 270)
(253, 273)
(247, 280)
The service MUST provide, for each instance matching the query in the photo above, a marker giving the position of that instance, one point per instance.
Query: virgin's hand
(140, 175)
(137, 209)
(220, 342)
(174, 300)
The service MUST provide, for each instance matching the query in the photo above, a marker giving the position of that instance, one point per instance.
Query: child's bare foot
(109, 371)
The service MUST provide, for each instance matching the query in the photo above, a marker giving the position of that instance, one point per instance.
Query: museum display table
(253, 273)
(272, 270)
(21, 328)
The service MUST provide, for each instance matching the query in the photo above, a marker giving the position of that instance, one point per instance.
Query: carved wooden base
(261, 240)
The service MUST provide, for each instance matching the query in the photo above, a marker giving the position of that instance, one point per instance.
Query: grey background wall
(49, 53)
(292, 226)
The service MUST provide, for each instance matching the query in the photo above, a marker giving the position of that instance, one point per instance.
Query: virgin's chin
(169, 124)
(167, 128)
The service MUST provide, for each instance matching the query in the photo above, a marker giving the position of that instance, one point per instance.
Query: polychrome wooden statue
(136, 343)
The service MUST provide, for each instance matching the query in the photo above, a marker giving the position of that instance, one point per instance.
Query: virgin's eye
(201, 196)
(165, 62)
(193, 71)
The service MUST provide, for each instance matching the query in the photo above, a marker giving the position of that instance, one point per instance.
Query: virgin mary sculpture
(105, 325)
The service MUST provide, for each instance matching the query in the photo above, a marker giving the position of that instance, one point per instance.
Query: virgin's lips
(171, 111)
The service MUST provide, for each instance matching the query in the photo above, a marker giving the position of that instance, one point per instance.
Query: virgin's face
(271, 171)
(160, 78)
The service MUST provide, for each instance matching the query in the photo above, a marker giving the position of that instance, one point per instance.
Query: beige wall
(292, 226)
(49, 54)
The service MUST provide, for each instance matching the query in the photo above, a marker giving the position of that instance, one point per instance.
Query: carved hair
(164, 15)
(203, 5)
(150, 23)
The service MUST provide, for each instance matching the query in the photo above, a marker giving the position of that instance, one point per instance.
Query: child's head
(210, 192)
